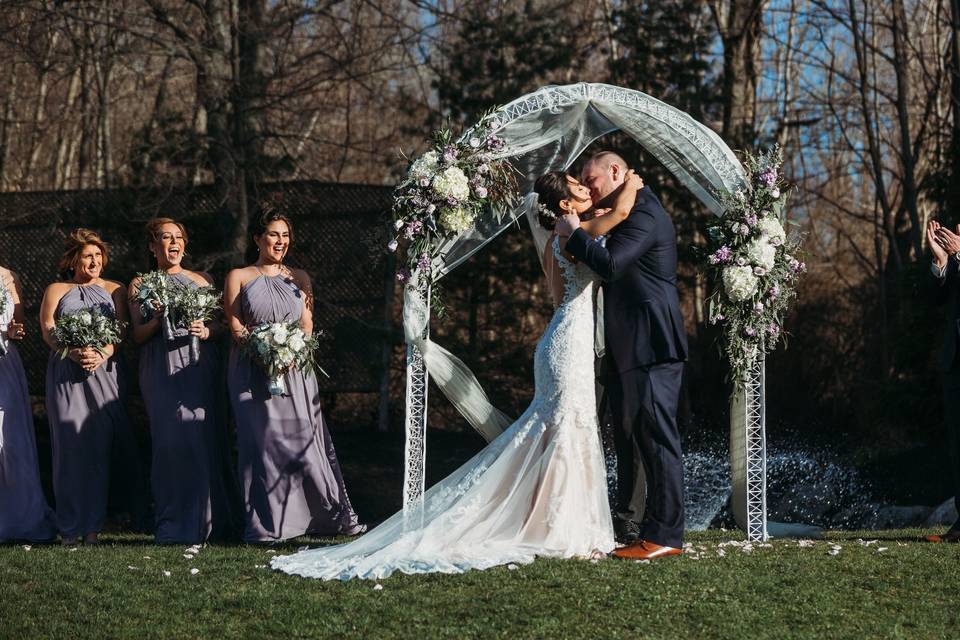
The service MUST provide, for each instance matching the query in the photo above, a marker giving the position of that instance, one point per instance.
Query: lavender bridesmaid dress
(24, 513)
(86, 413)
(291, 479)
(193, 486)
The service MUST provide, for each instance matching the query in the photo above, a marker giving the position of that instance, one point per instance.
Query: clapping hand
(949, 241)
(939, 255)
(15, 330)
(567, 224)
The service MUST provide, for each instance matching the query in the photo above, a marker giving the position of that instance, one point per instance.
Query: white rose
(770, 227)
(398, 224)
(425, 166)
(452, 183)
(280, 334)
(762, 254)
(775, 193)
(739, 283)
(285, 356)
(85, 318)
(297, 343)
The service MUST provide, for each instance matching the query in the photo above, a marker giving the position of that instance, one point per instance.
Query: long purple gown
(192, 482)
(86, 412)
(24, 513)
(291, 480)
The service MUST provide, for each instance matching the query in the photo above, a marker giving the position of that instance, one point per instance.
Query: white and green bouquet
(445, 191)
(86, 328)
(191, 304)
(156, 292)
(279, 347)
(755, 264)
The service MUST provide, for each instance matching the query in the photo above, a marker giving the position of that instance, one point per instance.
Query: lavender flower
(397, 224)
(773, 329)
(721, 255)
(758, 307)
(483, 168)
(481, 191)
(431, 208)
(769, 177)
(773, 292)
(392, 246)
(403, 274)
(450, 155)
(424, 262)
(453, 202)
(759, 272)
(424, 182)
(751, 219)
(741, 261)
(475, 143)
(750, 332)
(413, 228)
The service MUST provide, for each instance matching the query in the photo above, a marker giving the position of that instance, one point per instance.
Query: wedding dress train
(539, 489)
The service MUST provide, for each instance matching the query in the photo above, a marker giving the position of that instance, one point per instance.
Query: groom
(647, 344)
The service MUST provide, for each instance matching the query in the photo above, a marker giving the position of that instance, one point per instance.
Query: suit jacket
(643, 324)
(948, 292)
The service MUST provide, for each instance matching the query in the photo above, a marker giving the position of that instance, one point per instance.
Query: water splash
(806, 484)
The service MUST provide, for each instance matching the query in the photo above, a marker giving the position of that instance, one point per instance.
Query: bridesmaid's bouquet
(156, 290)
(86, 328)
(279, 347)
(191, 304)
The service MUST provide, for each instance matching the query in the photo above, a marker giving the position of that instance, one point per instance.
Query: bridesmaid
(291, 479)
(190, 475)
(24, 513)
(84, 403)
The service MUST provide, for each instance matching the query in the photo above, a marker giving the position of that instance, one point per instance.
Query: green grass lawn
(908, 589)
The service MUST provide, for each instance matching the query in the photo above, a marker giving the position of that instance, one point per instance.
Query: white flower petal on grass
(166, 574)
(270, 551)
(378, 587)
(194, 571)
(881, 549)
(27, 547)
(259, 566)
(132, 568)
(188, 556)
(512, 567)
(642, 561)
(147, 558)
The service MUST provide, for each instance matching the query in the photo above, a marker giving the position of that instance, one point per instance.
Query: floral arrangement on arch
(445, 191)
(754, 263)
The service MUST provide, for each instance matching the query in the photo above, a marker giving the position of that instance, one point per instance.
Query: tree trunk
(901, 66)
(740, 25)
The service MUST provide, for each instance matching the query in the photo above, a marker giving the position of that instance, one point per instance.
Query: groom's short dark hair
(606, 158)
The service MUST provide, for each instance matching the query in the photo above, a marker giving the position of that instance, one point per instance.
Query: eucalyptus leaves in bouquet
(754, 264)
(445, 191)
(279, 347)
(157, 290)
(86, 328)
(195, 304)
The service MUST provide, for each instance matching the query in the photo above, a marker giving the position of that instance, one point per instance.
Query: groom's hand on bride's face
(567, 224)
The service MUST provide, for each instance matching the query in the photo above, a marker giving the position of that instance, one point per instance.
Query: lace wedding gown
(539, 489)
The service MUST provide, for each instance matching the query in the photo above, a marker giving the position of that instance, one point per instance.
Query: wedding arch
(544, 131)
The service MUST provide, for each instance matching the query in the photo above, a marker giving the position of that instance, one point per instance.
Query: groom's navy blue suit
(647, 344)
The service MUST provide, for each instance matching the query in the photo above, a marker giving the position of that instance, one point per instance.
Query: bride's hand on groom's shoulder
(567, 224)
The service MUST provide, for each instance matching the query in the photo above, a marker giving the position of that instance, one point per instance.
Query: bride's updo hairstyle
(551, 188)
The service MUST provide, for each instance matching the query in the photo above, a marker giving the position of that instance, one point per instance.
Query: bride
(539, 489)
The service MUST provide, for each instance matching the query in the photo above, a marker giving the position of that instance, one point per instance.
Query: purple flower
(431, 208)
(769, 177)
(759, 272)
(773, 329)
(424, 262)
(403, 274)
(392, 246)
(424, 182)
(453, 202)
(495, 142)
(741, 261)
(758, 307)
(774, 292)
(750, 332)
(450, 155)
(483, 168)
(751, 219)
(721, 255)
(719, 318)
(481, 191)
(413, 229)
(475, 142)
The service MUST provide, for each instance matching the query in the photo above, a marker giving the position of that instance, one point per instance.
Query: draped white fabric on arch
(547, 130)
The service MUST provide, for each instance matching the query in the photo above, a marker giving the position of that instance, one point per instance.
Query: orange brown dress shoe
(645, 550)
(949, 536)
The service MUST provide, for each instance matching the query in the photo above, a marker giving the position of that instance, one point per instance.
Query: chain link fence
(336, 241)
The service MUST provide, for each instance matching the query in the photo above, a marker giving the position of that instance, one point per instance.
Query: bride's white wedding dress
(539, 489)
